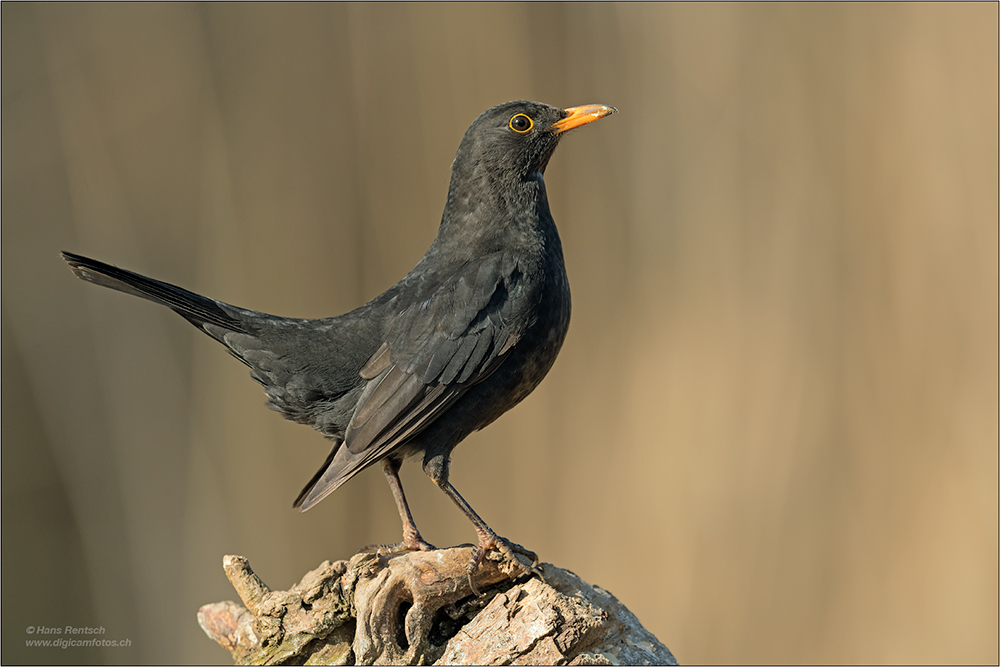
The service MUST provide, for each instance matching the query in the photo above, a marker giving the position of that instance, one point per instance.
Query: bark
(418, 608)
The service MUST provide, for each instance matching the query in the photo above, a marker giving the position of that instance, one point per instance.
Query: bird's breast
(539, 345)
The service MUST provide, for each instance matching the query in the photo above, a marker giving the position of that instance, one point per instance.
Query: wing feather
(433, 352)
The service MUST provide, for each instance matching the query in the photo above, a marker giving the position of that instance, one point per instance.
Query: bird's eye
(521, 123)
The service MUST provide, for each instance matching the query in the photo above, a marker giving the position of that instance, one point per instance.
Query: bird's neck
(485, 204)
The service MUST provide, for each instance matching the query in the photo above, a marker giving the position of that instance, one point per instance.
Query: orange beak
(581, 116)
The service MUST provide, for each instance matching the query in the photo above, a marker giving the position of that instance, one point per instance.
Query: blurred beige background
(772, 431)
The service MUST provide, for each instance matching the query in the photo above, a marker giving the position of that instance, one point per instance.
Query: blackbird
(461, 339)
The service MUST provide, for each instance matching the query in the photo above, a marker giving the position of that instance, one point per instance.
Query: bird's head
(518, 138)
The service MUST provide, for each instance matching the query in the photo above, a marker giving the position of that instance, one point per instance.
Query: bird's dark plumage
(462, 338)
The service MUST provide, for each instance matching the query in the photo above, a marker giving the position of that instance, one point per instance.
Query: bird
(462, 338)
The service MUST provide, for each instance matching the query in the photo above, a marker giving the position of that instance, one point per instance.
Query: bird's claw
(488, 541)
(411, 542)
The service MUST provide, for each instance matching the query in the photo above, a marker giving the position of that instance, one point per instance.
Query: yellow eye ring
(521, 123)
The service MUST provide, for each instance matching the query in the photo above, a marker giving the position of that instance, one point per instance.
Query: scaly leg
(412, 541)
(487, 538)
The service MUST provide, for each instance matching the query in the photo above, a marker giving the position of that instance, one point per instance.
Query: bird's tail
(197, 309)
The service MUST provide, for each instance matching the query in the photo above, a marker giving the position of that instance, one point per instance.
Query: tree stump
(418, 608)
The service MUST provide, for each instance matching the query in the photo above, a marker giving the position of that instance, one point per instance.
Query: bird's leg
(487, 538)
(412, 541)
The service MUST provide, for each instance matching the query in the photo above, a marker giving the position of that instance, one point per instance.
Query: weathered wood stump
(418, 608)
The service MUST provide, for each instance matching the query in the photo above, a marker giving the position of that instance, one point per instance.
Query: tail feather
(197, 309)
(341, 465)
(315, 478)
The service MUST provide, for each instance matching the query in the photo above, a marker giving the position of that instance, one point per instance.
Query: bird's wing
(435, 350)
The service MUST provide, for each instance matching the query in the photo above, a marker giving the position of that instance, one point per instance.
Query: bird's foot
(412, 541)
(490, 540)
